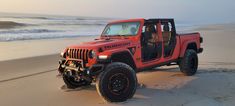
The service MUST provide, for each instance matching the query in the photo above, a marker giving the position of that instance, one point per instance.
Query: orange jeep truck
(124, 48)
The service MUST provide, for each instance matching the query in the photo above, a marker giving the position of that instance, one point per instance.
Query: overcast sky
(197, 10)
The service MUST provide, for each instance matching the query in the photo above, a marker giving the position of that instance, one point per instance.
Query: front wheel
(189, 63)
(117, 82)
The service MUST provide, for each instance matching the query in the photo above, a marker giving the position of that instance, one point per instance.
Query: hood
(103, 44)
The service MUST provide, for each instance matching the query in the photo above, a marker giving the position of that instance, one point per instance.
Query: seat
(166, 38)
(166, 34)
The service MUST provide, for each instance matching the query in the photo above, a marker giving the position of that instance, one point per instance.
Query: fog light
(88, 72)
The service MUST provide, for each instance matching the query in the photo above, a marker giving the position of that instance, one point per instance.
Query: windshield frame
(104, 35)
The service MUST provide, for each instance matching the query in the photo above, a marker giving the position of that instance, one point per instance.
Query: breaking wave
(28, 31)
(17, 37)
(15, 27)
(10, 24)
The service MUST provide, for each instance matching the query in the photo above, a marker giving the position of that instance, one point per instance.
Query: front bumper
(79, 67)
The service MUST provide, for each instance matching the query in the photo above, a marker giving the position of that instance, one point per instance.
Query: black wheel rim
(193, 63)
(118, 83)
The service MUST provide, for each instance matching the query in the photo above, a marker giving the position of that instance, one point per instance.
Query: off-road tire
(189, 63)
(106, 86)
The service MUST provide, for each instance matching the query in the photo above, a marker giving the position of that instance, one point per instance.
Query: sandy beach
(30, 48)
(28, 76)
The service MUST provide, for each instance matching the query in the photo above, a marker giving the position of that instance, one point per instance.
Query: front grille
(82, 54)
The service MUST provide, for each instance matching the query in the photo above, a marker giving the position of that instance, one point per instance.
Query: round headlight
(92, 54)
(64, 53)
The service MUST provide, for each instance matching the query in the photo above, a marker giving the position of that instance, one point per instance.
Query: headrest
(133, 30)
(166, 28)
(151, 28)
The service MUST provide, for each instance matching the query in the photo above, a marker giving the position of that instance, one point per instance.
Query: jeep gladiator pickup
(124, 48)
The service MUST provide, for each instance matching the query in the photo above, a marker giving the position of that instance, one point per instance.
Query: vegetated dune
(9, 24)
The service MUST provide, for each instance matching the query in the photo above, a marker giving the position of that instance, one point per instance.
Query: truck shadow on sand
(161, 85)
(213, 86)
(93, 86)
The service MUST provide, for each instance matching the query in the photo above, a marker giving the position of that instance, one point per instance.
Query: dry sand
(33, 81)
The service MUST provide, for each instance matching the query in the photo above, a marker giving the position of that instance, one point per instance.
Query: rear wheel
(117, 82)
(189, 63)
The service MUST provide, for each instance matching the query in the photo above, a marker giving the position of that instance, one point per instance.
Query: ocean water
(15, 27)
(26, 26)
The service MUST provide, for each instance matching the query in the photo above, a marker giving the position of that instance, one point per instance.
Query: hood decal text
(116, 45)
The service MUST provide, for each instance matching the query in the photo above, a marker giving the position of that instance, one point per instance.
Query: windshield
(125, 28)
